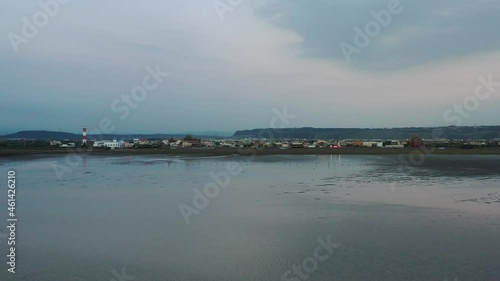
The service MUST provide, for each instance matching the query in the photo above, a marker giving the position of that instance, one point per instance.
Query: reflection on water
(438, 221)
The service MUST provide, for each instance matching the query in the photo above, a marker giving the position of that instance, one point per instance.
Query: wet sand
(434, 221)
(250, 152)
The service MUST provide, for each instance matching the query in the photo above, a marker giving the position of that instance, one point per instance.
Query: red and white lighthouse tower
(84, 140)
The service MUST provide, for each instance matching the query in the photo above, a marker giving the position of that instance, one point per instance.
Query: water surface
(436, 221)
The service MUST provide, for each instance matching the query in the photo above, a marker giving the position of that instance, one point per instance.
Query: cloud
(227, 75)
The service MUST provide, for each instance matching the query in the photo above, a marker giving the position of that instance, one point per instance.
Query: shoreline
(7, 153)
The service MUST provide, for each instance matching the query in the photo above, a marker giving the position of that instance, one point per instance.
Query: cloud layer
(228, 75)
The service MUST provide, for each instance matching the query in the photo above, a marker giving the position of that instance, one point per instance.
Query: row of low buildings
(190, 141)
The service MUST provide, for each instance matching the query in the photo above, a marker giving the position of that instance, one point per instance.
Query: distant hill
(51, 135)
(211, 133)
(42, 135)
(451, 132)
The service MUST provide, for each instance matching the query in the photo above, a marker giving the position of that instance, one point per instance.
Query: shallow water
(436, 221)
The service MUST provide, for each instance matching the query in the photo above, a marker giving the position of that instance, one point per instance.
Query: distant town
(282, 143)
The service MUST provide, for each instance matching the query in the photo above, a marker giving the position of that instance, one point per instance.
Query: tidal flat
(96, 216)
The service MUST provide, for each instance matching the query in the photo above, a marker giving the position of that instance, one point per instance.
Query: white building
(370, 143)
(69, 144)
(176, 144)
(208, 143)
(111, 144)
(54, 142)
(395, 144)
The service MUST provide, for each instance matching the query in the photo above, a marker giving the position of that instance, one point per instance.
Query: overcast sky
(230, 74)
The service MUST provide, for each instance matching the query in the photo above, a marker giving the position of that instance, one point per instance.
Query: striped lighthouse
(84, 140)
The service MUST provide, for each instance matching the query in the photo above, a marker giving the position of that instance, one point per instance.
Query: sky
(226, 65)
